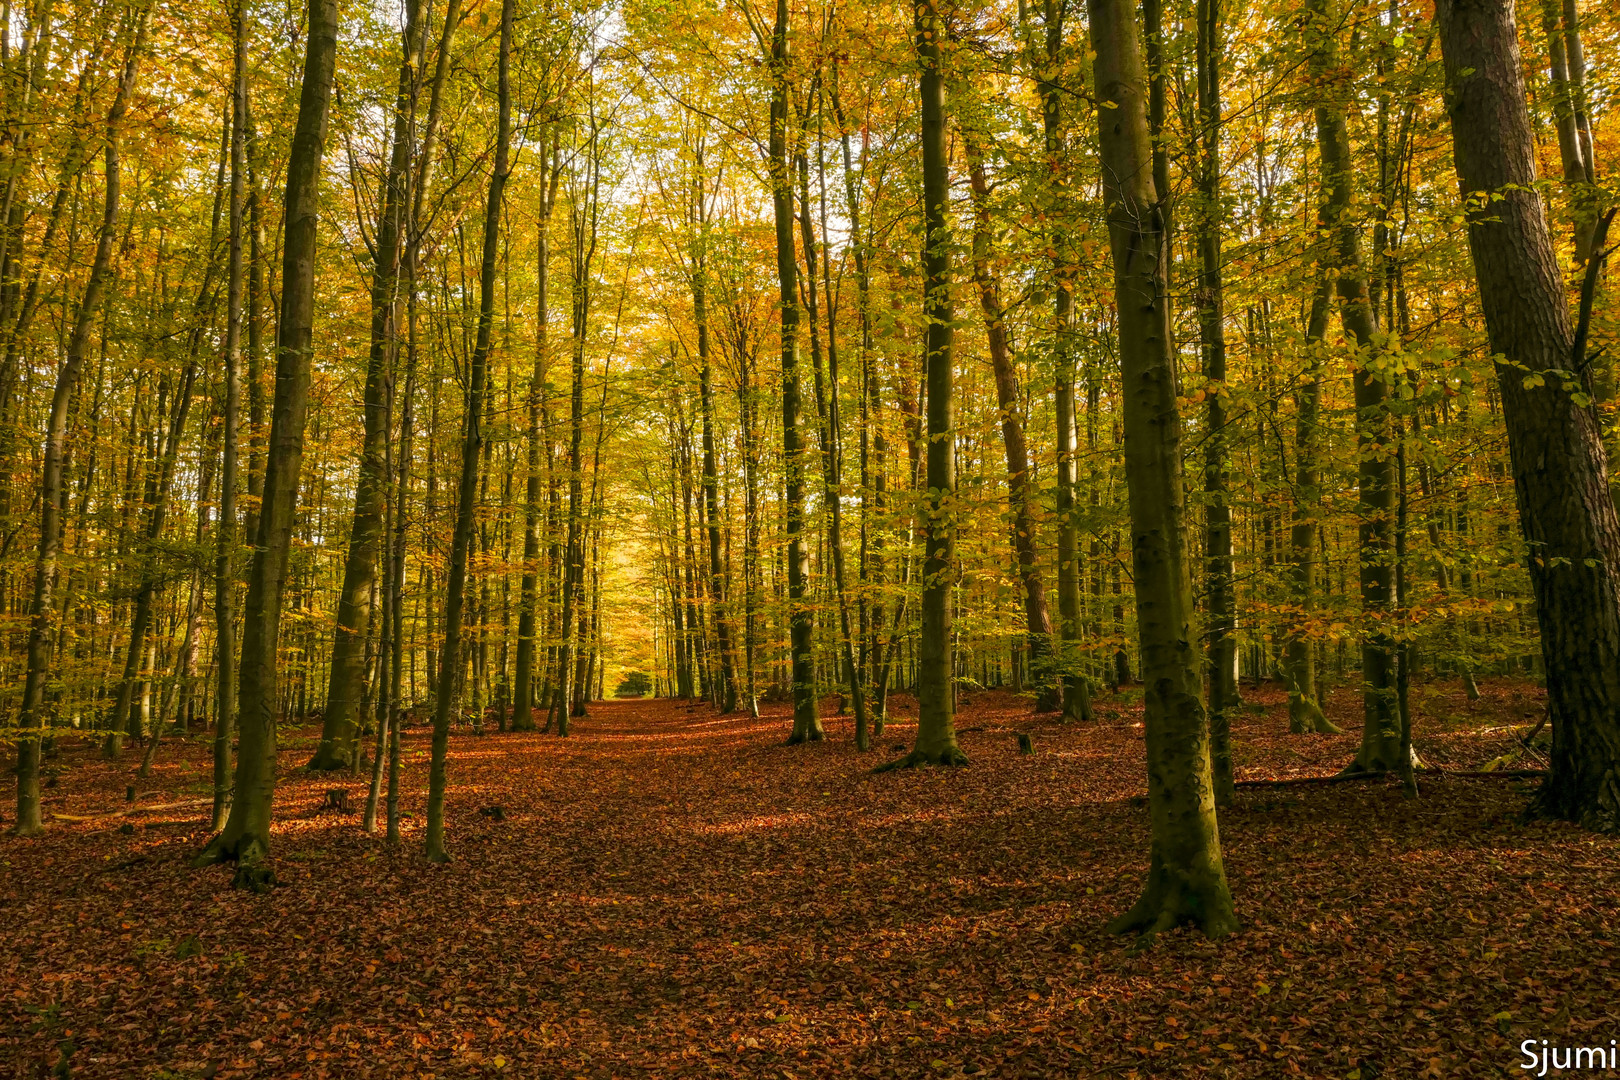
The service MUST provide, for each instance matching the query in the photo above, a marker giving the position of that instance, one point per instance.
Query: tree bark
(801, 620)
(246, 836)
(1187, 879)
(1221, 598)
(471, 448)
(1375, 471)
(340, 724)
(1559, 467)
(583, 221)
(1020, 497)
(529, 599)
(225, 538)
(1304, 711)
(936, 704)
(829, 430)
(711, 480)
(1076, 684)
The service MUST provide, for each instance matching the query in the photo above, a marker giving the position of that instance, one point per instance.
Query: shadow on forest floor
(673, 893)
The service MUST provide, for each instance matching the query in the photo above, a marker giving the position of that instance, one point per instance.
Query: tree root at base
(949, 757)
(1305, 717)
(251, 856)
(1167, 903)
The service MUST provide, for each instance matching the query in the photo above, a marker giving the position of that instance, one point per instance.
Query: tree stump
(336, 799)
(1026, 744)
(494, 813)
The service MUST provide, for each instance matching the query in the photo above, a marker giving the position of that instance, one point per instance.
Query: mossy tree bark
(472, 445)
(1559, 467)
(245, 838)
(1187, 880)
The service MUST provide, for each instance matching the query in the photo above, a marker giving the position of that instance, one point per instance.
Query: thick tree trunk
(246, 836)
(471, 448)
(1559, 468)
(42, 607)
(1187, 880)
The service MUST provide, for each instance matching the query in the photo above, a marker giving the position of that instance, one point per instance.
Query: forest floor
(677, 894)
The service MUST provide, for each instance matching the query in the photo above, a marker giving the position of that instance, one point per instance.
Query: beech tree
(245, 839)
(1543, 369)
(1187, 879)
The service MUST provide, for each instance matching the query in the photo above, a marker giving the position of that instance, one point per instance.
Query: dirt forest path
(676, 894)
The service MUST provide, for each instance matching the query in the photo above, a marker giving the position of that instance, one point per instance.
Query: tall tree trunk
(1560, 23)
(1559, 467)
(126, 718)
(31, 721)
(1375, 471)
(1304, 711)
(256, 293)
(747, 409)
(340, 724)
(874, 444)
(225, 536)
(529, 599)
(825, 387)
(1222, 600)
(246, 836)
(936, 705)
(471, 448)
(1187, 879)
(1020, 496)
(711, 481)
(801, 620)
(583, 226)
(1076, 685)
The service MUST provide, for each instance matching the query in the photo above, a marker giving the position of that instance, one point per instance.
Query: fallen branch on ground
(1438, 774)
